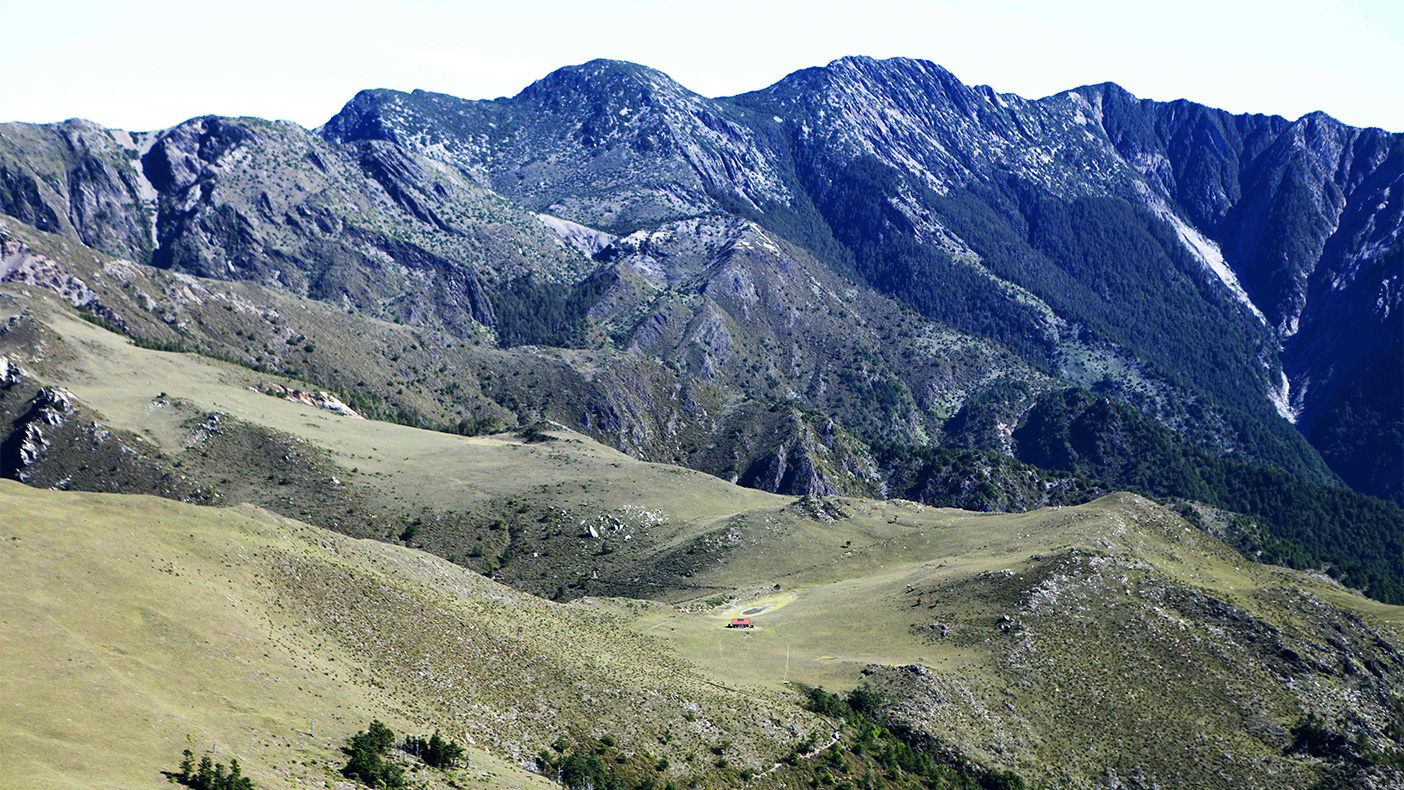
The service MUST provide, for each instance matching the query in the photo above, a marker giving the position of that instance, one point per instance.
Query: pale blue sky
(145, 65)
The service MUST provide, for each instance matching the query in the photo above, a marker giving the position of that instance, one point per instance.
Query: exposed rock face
(608, 144)
(1256, 201)
(370, 226)
(10, 373)
(588, 240)
(1251, 210)
(792, 467)
(49, 440)
(1308, 214)
(320, 400)
(77, 179)
(313, 237)
(18, 263)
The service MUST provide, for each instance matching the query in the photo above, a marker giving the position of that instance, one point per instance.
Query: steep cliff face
(1268, 248)
(1179, 240)
(77, 179)
(735, 304)
(1308, 216)
(1272, 194)
(1359, 429)
(369, 226)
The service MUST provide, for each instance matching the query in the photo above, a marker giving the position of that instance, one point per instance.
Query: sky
(144, 64)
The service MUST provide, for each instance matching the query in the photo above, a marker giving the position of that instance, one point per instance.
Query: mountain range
(1139, 223)
(868, 288)
(781, 287)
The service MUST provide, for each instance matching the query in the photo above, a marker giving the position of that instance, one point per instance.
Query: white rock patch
(1281, 397)
(1204, 250)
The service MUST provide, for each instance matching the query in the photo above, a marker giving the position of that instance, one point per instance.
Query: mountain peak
(909, 82)
(869, 68)
(603, 66)
(362, 118)
(602, 75)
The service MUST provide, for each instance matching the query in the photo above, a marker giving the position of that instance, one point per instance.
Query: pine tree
(367, 765)
(380, 737)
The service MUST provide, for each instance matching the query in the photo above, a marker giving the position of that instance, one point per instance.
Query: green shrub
(435, 751)
(209, 775)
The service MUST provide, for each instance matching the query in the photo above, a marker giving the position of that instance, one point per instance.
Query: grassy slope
(1131, 641)
(121, 380)
(405, 467)
(135, 626)
(847, 609)
(133, 629)
(401, 467)
(235, 626)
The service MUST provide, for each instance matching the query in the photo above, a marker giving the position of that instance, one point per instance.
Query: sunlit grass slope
(134, 627)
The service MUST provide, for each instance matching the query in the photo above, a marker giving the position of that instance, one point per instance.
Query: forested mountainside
(807, 289)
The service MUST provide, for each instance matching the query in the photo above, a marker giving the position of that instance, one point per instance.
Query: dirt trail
(832, 741)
